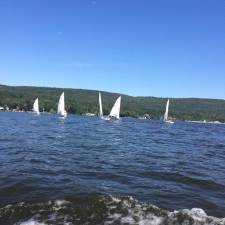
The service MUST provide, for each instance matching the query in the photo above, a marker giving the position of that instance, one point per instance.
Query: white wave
(31, 222)
(132, 212)
(59, 204)
(110, 210)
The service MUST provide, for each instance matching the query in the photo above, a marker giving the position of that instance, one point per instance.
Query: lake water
(82, 170)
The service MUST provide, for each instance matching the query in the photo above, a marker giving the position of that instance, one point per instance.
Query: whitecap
(31, 222)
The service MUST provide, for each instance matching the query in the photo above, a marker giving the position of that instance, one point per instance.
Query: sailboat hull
(113, 118)
(106, 118)
(169, 121)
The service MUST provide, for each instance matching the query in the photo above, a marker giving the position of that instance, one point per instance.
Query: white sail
(61, 105)
(115, 112)
(100, 105)
(36, 106)
(167, 110)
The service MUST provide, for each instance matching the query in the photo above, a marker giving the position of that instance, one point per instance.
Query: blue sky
(139, 47)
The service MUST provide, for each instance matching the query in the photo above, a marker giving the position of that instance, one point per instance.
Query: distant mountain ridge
(80, 101)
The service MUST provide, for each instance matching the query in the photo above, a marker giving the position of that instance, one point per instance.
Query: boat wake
(101, 210)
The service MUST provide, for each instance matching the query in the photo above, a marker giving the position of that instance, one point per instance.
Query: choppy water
(83, 170)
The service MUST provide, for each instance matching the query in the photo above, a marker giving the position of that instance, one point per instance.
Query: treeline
(80, 101)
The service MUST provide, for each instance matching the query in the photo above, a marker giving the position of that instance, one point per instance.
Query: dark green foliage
(82, 101)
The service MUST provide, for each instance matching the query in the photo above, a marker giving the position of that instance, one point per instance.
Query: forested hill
(80, 101)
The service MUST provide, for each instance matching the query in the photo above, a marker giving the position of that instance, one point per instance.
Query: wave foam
(31, 222)
(101, 210)
(130, 211)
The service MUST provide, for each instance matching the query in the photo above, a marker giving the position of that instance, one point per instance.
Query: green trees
(82, 101)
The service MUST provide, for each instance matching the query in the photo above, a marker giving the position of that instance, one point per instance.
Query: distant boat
(142, 118)
(90, 114)
(145, 117)
(61, 106)
(36, 107)
(115, 112)
(100, 105)
(101, 116)
(167, 112)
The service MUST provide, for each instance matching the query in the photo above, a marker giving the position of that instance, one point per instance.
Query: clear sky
(169, 48)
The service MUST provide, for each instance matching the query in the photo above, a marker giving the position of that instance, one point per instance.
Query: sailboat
(61, 106)
(167, 112)
(36, 107)
(100, 105)
(115, 112)
(101, 110)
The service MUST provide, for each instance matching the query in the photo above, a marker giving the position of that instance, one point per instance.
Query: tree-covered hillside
(82, 101)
